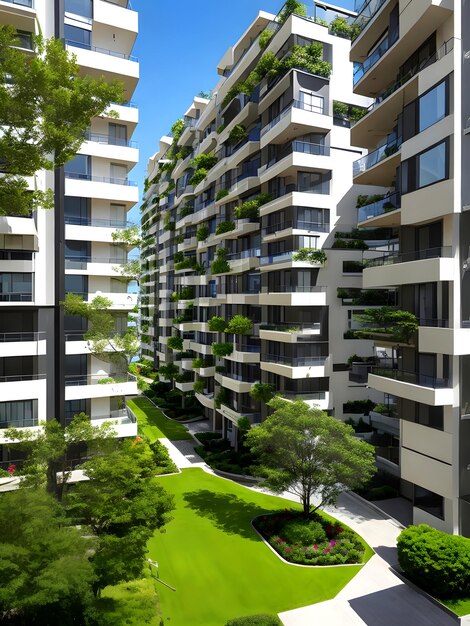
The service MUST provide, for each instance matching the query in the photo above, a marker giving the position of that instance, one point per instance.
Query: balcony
(101, 188)
(385, 423)
(24, 387)
(22, 344)
(116, 13)
(108, 147)
(367, 171)
(296, 155)
(99, 386)
(206, 400)
(295, 367)
(306, 117)
(290, 332)
(420, 266)
(412, 386)
(436, 338)
(15, 296)
(315, 399)
(234, 416)
(378, 212)
(289, 227)
(289, 295)
(362, 68)
(95, 265)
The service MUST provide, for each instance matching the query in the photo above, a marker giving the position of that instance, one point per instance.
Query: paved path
(376, 596)
(182, 453)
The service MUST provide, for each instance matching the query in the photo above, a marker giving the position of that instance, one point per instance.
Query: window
(311, 101)
(78, 167)
(78, 37)
(16, 287)
(25, 39)
(76, 210)
(313, 182)
(74, 407)
(118, 134)
(428, 501)
(432, 165)
(18, 414)
(433, 106)
(79, 7)
(76, 284)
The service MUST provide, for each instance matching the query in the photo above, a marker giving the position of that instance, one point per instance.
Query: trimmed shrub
(221, 194)
(175, 343)
(439, 563)
(262, 619)
(202, 233)
(304, 533)
(265, 38)
(225, 227)
(222, 349)
(217, 324)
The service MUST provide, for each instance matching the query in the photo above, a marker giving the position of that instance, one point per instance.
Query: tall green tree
(104, 340)
(44, 562)
(47, 451)
(308, 453)
(122, 507)
(46, 107)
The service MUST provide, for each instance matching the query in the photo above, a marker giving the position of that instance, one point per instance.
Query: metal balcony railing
(109, 140)
(424, 380)
(19, 377)
(112, 53)
(15, 296)
(406, 257)
(319, 227)
(21, 336)
(101, 179)
(294, 361)
(292, 289)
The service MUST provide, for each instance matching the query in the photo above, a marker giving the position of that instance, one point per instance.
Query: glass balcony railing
(369, 160)
(98, 379)
(319, 227)
(23, 3)
(101, 179)
(416, 255)
(293, 289)
(294, 361)
(86, 221)
(22, 336)
(362, 68)
(305, 147)
(414, 378)
(294, 104)
(304, 328)
(16, 296)
(109, 140)
(112, 53)
(387, 204)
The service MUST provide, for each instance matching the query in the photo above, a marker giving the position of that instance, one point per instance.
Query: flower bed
(313, 541)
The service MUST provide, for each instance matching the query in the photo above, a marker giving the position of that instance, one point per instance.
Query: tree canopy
(308, 453)
(46, 107)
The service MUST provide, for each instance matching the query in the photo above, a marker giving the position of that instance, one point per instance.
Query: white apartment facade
(412, 57)
(48, 371)
(294, 150)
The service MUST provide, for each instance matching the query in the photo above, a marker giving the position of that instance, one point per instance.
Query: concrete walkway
(182, 453)
(375, 596)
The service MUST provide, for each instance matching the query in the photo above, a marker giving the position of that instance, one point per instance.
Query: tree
(401, 325)
(44, 562)
(262, 392)
(103, 340)
(45, 110)
(308, 453)
(122, 507)
(130, 270)
(47, 459)
(169, 372)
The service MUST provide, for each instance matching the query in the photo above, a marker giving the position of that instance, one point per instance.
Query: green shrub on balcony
(225, 227)
(186, 293)
(222, 349)
(264, 38)
(179, 238)
(237, 134)
(250, 208)
(203, 161)
(221, 194)
(198, 177)
(340, 109)
(310, 255)
(239, 325)
(175, 343)
(388, 320)
(178, 257)
(217, 324)
(202, 233)
(358, 407)
(220, 129)
(220, 265)
(220, 369)
(199, 362)
(356, 113)
(222, 397)
(350, 244)
(364, 200)
(291, 7)
(262, 392)
(198, 386)
(186, 210)
(341, 27)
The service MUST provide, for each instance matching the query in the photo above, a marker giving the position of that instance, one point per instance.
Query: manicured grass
(153, 424)
(130, 604)
(220, 567)
(460, 606)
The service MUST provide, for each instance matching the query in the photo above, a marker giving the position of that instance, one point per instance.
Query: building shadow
(226, 511)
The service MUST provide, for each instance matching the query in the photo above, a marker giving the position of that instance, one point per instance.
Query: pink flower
(333, 543)
(288, 550)
(11, 469)
(315, 547)
(327, 550)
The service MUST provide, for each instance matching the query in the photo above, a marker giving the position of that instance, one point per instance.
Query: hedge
(255, 620)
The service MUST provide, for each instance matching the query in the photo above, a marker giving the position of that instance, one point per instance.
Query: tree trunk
(306, 505)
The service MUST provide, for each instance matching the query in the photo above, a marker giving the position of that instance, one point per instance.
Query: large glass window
(431, 165)
(79, 167)
(428, 501)
(79, 7)
(77, 210)
(78, 37)
(18, 414)
(313, 182)
(432, 106)
(76, 284)
(16, 287)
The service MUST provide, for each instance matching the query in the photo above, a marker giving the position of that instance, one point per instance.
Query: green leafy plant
(291, 7)
(186, 210)
(340, 26)
(340, 109)
(264, 38)
(203, 161)
(198, 177)
(175, 343)
(217, 324)
(220, 265)
(221, 194)
(356, 113)
(202, 233)
(236, 135)
(128, 236)
(107, 380)
(222, 397)
(250, 208)
(309, 255)
(350, 244)
(225, 227)
(389, 320)
(239, 325)
(222, 349)
(220, 128)
(198, 385)
(262, 392)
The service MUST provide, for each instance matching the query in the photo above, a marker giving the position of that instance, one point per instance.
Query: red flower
(11, 469)
(333, 543)
(315, 547)
(327, 550)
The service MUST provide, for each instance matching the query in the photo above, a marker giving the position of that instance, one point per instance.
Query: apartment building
(47, 370)
(276, 179)
(411, 58)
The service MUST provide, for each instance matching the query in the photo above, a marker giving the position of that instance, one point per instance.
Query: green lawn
(220, 567)
(460, 606)
(153, 424)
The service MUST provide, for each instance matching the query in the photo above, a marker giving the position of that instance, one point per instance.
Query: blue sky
(179, 46)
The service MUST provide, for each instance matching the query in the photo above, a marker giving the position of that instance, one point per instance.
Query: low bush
(162, 458)
(335, 544)
(255, 620)
(437, 562)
